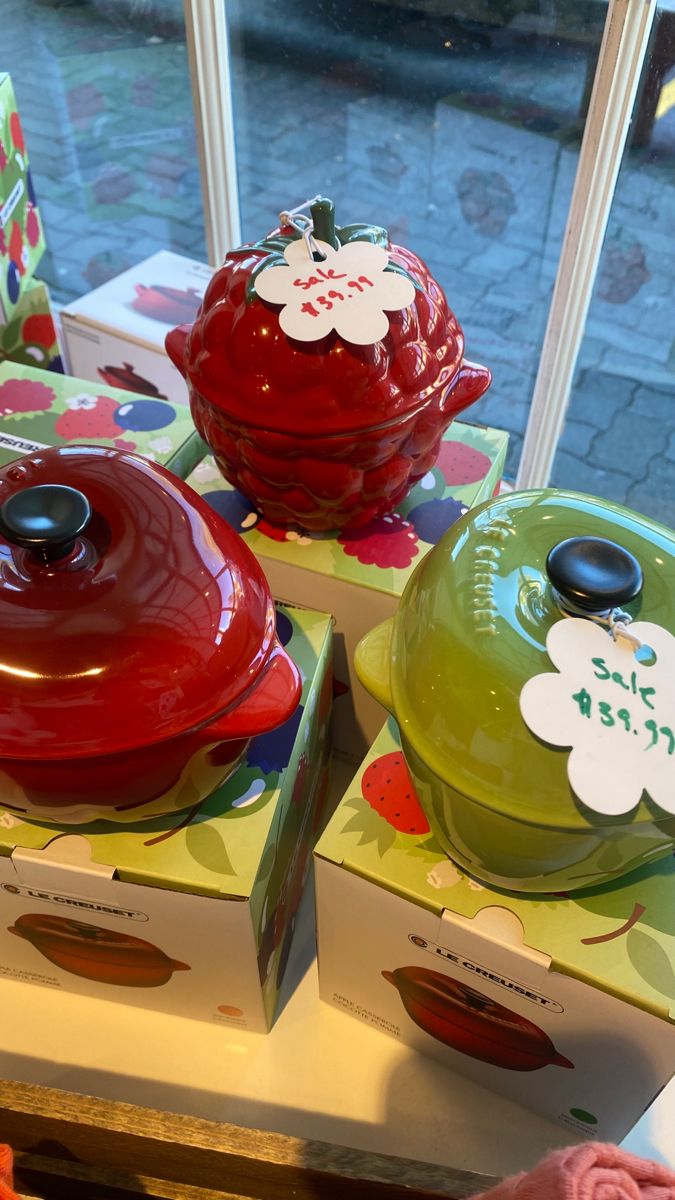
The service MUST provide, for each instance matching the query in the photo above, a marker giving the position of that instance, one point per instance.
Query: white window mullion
(624, 45)
(209, 56)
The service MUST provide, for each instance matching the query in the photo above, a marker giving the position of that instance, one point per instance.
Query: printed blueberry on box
(359, 575)
(42, 408)
(21, 235)
(192, 912)
(564, 1003)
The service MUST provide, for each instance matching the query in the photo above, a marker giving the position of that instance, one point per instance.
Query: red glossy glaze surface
(323, 434)
(471, 1022)
(146, 657)
(123, 782)
(159, 621)
(92, 952)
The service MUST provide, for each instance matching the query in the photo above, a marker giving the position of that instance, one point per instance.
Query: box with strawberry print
(564, 1003)
(359, 575)
(31, 336)
(43, 408)
(22, 240)
(192, 913)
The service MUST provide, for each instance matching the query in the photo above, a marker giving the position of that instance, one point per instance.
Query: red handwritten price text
(326, 302)
(320, 277)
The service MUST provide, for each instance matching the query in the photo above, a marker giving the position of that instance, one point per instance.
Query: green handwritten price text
(622, 719)
(603, 672)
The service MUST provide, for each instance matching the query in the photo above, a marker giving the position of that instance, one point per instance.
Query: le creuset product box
(359, 575)
(194, 913)
(565, 1004)
(115, 334)
(22, 242)
(31, 336)
(41, 408)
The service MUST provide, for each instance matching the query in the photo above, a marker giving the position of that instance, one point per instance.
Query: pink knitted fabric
(594, 1171)
(6, 1175)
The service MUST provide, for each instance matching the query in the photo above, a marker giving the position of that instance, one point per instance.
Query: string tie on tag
(304, 225)
(613, 619)
(618, 626)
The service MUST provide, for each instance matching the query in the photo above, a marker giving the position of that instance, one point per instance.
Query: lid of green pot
(471, 629)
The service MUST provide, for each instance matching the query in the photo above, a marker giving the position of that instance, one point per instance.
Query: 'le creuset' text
(486, 563)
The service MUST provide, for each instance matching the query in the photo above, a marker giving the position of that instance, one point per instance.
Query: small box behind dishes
(22, 241)
(193, 913)
(115, 334)
(564, 1004)
(31, 337)
(359, 575)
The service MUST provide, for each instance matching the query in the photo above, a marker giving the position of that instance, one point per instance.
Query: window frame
(623, 51)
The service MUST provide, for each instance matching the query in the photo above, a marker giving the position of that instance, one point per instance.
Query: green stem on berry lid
(323, 219)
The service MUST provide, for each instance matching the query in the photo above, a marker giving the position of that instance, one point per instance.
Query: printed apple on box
(359, 575)
(22, 241)
(115, 334)
(189, 913)
(564, 1003)
(43, 408)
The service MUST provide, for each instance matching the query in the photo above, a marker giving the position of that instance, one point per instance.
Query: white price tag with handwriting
(616, 712)
(349, 291)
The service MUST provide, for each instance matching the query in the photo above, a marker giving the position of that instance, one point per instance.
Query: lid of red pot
(130, 612)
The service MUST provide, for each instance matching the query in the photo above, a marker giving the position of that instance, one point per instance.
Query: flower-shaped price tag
(615, 707)
(350, 291)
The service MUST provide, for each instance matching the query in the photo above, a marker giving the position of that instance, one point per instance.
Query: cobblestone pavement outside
(462, 139)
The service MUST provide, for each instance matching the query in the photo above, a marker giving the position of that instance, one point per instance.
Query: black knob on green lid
(594, 574)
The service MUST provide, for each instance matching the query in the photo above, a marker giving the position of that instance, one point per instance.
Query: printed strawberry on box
(192, 913)
(565, 1004)
(43, 408)
(31, 336)
(22, 240)
(359, 575)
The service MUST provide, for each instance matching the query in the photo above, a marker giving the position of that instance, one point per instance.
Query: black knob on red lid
(593, 574)
(46, 519)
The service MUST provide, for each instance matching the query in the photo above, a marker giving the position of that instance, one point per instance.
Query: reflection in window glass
(104, 96)
(456, 125)
(619, 439)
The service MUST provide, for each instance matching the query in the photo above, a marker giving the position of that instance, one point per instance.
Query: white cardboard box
(191, 913)
(565, 1004)
(115, 334)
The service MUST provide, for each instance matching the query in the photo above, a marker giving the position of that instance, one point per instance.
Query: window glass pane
(619, 438)
(104, 95)
(455, 124)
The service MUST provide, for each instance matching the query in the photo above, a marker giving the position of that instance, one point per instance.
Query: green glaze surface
(470, 630)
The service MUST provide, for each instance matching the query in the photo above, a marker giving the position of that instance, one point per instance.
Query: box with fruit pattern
(42, 408)
(22, 240)
(31, 337)
(564, 1003)
(191, 913)
(116, 333)
(359, 576)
